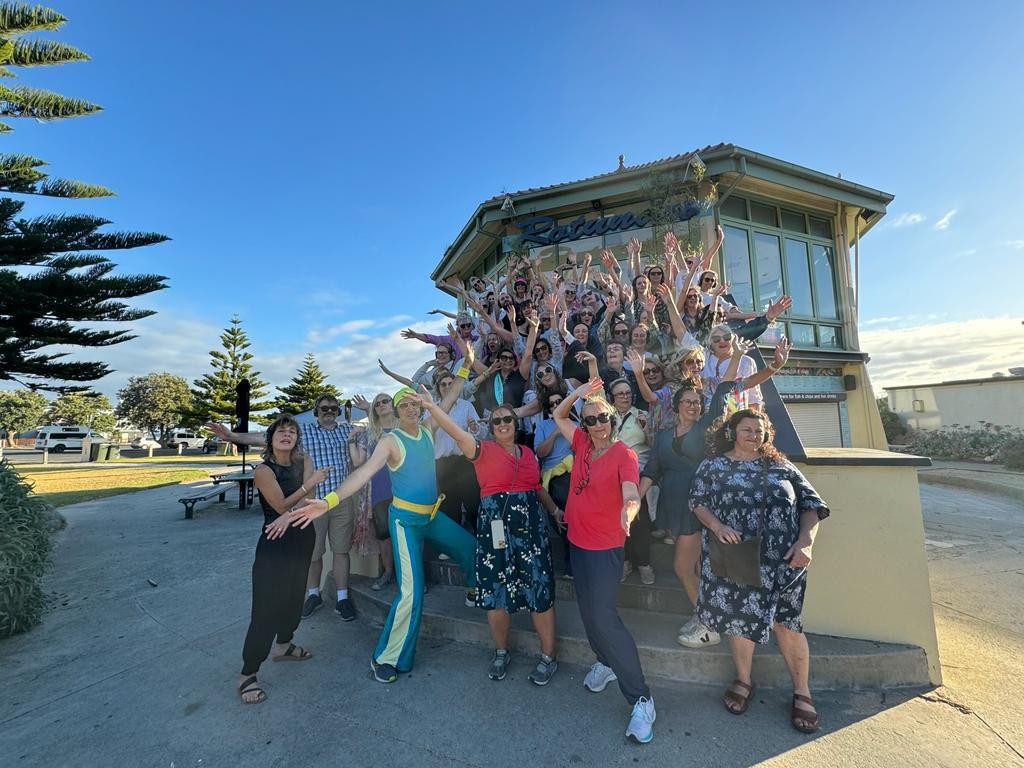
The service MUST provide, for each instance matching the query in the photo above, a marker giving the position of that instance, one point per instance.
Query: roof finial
(622, 163)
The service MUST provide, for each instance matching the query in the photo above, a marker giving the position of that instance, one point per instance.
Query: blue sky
(312, 165)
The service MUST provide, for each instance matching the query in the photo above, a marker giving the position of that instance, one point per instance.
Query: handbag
(740, 563)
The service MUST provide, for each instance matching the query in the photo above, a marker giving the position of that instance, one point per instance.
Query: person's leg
(687, 554)
(584, 598)
(452, 539)
(291, 587)
(340, 524)
(446, 470)
(316, 564)
(397, 643)
(469, 492)
(544, 625)
(795, 651)
(639, 541)
(737, 695)
(262, 620)
(499, 621)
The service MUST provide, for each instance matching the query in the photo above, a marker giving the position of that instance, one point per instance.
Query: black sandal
(804, 718)
(249, 686)
(291, 655)
(734, 700)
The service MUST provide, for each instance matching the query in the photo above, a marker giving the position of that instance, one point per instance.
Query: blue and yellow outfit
(412, 520)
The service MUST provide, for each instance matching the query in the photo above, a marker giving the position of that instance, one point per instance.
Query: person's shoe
(382, 581)
(499, 665)
(699, 637)
(598, 677)
(312, 605)
(646, 574)
(544, 670)
(688, 626)
(641, 723)
(345, 609)
(383, 673)
(670, 540)
(627, 568)
(471, 598)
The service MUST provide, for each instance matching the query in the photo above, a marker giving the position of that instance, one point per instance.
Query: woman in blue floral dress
(744, 481)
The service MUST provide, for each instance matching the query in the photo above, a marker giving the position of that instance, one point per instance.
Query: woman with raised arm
(746, 491)
(603, 500)
(513, 553)
(408, 453)
(285, 477)
(381, 417)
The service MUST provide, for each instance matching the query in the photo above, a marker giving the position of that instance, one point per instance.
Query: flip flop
(291, 655)
(249, 686)
(734, 700)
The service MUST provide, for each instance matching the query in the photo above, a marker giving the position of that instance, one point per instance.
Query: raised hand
(612, 302)
(777, 308)
(740, 347)
(587, 258)
(584, 357)
(719, 234)
(781, 353)
(721, 288)
(571, 258)
(219, 430)
(587, 389)
(634, 247)
(533, 319)
(382, 366)
(635, 361)
(608, 259)
(670, 243)
(627, 293)
(409, 333)
(361, 403)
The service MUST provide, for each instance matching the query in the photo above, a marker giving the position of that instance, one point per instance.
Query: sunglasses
(651, 371)
(602, 417)
(381, 402)
(544, 371)
(623, 393)
(716, 339)
(690, 364)
(586, 314)
(329, 409)
(554, 403)
(465, 325)
(654, 272)
(506, 358)
(496, 420)
(708, 280)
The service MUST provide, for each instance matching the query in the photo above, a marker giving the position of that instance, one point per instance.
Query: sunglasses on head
(602, 417)
(726, 337)
(496, 420)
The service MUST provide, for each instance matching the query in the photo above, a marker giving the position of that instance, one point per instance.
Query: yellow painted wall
(866, 429)
(869, 576)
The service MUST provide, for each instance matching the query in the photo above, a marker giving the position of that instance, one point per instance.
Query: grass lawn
(193, 459)
(61, 486)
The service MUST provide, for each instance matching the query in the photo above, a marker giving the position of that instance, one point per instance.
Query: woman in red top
(513, 552)
(603, 500)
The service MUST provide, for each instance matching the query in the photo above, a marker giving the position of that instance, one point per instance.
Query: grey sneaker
(641, 723)
(499, 665)
(598, 677)
(544, 671)
(382, 581)
(646, 574)
(699, 637)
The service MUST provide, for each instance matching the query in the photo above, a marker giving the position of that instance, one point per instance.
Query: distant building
(998, 399)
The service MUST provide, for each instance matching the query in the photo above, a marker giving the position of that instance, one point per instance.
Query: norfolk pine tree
(51, 281)
(308, 384)
(215, 392)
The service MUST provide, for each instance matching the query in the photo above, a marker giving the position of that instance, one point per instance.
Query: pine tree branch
(42, 105)
(18, 18)
(35, 53)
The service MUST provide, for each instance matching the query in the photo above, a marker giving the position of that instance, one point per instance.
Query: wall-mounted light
(918, 406)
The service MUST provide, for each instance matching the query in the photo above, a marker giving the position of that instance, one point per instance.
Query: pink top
(498, 471)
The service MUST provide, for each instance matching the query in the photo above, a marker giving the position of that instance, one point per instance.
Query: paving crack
(964, 709)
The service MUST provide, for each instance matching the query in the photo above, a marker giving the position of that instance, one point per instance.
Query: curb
(972, 484)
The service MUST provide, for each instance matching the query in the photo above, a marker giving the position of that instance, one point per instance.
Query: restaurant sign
(545, 230)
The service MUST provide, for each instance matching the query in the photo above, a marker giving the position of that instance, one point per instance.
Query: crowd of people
(565, 422)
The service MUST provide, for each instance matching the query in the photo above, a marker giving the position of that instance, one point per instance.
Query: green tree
(89, 409)
(308, 384)
(896, 429)
(155, 402)
(215, 392)
(20, 411)
(51, 280)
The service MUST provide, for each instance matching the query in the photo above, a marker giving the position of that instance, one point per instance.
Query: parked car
(185, 439)
(67, 438)
(144, 442)
(211, 444)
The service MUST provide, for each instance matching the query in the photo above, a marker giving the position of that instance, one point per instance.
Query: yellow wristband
(332, 500)
(463, 372)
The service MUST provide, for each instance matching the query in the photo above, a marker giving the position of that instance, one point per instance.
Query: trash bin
(113, 452)
(94, 451)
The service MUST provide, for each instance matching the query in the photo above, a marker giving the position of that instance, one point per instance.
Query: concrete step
(835, 662)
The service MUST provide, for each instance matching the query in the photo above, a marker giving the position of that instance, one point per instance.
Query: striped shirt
(328, 448)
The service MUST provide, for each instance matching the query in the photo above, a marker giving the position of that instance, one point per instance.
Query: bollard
(179, 448)
(46, 456)
(151, 451)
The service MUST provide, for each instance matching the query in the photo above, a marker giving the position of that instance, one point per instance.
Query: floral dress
(734, 491)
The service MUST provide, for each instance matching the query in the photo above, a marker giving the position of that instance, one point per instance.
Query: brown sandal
(294, 653)
(249, 686)
(804, 718)
(734, 700)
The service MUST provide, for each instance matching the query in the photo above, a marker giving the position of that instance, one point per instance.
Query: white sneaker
(598, 677)
(699, 637)
(688, 626)
(646, 574)
(627, 569)
(641, 722)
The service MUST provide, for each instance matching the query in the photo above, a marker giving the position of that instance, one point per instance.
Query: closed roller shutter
(817, 424)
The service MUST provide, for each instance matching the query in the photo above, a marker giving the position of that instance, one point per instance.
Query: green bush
(27, 526)
(1012, 452)
(986, 442)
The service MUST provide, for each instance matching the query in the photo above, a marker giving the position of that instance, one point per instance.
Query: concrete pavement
(122, 673)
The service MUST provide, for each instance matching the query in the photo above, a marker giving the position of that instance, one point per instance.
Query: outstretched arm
(397, 377)
(238, 438)
(561, 413)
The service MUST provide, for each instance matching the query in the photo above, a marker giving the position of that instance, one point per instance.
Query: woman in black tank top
(284, 478)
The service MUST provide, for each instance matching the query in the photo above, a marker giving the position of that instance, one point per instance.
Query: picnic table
(245, 485)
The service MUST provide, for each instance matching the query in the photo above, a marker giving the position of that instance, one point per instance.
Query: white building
(998, 399)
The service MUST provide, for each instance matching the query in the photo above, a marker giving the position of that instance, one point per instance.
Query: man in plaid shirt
(326, 441)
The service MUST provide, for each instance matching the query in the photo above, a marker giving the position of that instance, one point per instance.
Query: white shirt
(461, 413)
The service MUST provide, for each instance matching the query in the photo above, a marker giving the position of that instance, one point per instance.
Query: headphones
(729, 433)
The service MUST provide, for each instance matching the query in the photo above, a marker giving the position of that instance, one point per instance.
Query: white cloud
(945, 351)
(943, 223)
(317, 336)
(1018, 244)
(908, 219)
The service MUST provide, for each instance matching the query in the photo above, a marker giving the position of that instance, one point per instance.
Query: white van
(186, 439)
(59, 439)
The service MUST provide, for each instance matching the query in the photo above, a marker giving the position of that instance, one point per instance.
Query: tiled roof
(652, 163)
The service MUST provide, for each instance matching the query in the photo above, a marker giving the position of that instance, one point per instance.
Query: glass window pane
(793, 221)
(736, 266)
(801, 335)
(763, 214)
(824, 281)
(798, 277)
(821, 227)
(579, 248)
(734, 207)
(548, 255)
(769, 267)
(830, 336)
(616, 243)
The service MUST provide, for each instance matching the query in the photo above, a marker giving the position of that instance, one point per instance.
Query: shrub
(986, 442)
(896, 429)
(27, 525)
(1012, 452)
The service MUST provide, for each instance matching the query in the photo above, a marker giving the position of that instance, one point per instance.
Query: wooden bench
(203, 493)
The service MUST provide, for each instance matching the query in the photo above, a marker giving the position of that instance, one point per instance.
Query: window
(821, 227)
(735, 208)
(802, 335)
(798, 277)
(616, 243)
(824, 281)
(793, 221)
(769, 267)
(763, 214)
(736, 266)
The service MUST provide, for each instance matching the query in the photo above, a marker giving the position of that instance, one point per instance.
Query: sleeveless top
(290, 480)
(415, 478)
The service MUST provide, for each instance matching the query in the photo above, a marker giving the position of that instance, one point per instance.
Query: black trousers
(638, 545)
(278, 589)
(456, 479)
(597, 574)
